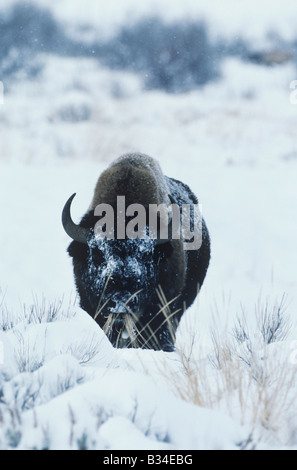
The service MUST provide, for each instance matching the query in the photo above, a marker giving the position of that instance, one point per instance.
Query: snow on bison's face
(119, 278)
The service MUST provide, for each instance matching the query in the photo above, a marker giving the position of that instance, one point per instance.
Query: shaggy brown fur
(138, 177)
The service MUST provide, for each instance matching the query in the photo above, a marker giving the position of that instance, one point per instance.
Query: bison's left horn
(77, 233)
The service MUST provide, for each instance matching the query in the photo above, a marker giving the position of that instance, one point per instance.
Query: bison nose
(123, 303)
(117, 306)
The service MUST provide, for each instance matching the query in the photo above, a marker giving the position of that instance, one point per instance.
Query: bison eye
(162, 252)
(78, 250)
(97, 257)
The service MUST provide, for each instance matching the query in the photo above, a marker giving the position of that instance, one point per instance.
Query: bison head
(118, 279)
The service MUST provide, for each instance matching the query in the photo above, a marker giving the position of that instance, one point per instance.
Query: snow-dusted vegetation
(206, 93)
(63, 386)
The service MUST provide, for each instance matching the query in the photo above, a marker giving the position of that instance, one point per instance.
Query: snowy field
(68, 111)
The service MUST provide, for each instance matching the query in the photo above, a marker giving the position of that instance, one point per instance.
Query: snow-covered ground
(233, 141)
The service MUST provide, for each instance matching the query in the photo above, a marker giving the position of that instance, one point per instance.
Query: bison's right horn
(77, 233)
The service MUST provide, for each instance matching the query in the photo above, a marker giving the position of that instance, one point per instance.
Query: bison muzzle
(137, 288)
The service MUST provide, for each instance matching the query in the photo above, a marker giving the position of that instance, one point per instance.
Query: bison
(137, 288)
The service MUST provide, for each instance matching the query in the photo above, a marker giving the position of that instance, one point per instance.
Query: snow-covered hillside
(67, 114)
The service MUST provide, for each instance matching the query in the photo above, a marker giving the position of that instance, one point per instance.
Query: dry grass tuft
(247, 374)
